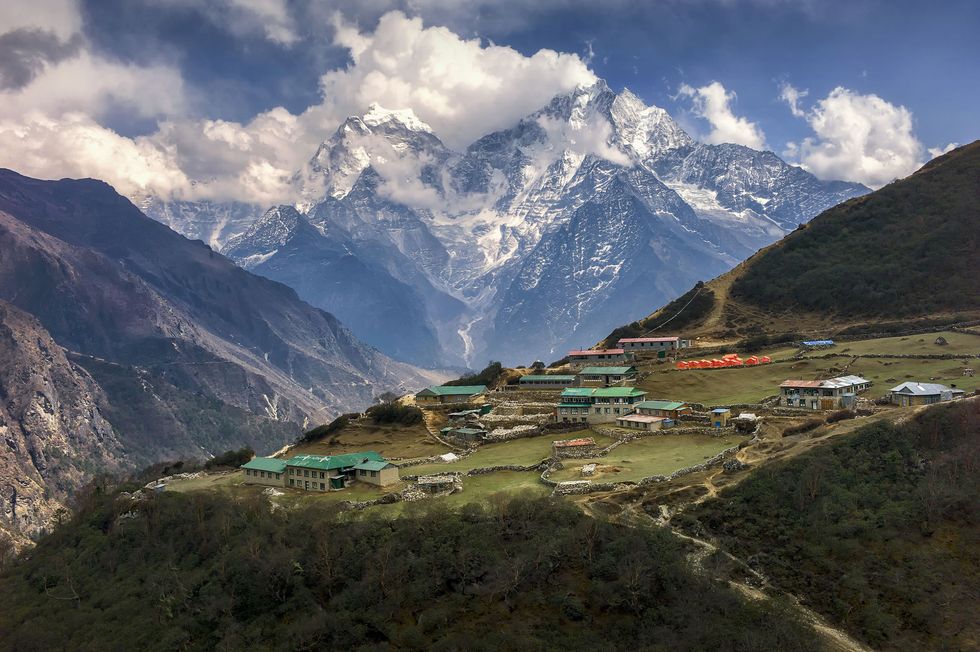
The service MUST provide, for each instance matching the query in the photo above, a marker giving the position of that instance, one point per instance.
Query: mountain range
(532, 240)
(125, 343)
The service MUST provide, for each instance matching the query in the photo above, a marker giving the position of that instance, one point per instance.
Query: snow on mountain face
(583, 215)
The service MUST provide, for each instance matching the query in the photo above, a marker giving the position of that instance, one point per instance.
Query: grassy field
(234, 483)
(656, 455)
(391, 440)
(750, 384)
(516, 451)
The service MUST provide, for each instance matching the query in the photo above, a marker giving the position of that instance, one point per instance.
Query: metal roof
(800, 383)
(647, 339)
(597, 352)
(720, 410)
(617, 392)
(531, 378)
(455, 390)
(831, 383)
(469, 431)
(577, 391)
(329, 462)
(606, 371)
(372, 465)
(660, 405)
(818, 342)
(270, 464)
(642, 418)
(923, 389)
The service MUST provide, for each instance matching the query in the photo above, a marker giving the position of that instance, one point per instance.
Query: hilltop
(905, 253)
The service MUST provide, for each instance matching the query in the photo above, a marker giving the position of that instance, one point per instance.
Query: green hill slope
(910, 250)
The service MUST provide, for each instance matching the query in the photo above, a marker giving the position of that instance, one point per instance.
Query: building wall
(907, 400)
(382, 478)
(596, 361)
(656, 425)
(648, 346)
(253, 476)
(308, 479)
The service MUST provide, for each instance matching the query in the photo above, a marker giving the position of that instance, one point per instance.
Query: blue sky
(160, 81)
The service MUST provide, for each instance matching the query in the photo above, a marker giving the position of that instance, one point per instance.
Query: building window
(374, 474)
(321, 475)
(322, 487)
(363, 472)
(291, 482)
(277, 476)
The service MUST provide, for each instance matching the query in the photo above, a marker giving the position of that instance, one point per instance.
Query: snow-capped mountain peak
(377, 116)
(645, 131)
(581, 216)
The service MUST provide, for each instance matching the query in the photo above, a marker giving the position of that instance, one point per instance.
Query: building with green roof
(606, 376)
(596, 404)
(265, 470)
(326, 472)
(450, 394)
(668, 409)
(546, 381)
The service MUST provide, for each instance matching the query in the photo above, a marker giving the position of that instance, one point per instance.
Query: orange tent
(682, 365)
(765, 359)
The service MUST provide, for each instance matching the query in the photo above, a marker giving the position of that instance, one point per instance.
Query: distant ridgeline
(911, 248)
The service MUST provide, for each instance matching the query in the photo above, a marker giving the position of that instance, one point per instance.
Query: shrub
(487, 377)
(328, 429)
(231, 459)
(840, 415)
(406, 415)
(806, 426)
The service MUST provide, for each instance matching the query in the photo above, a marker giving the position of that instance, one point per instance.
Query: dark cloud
(25, 53)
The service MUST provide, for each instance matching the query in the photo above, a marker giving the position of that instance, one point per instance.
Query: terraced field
(657, 455)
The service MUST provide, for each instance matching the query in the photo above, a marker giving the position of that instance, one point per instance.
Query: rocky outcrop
(53, 432)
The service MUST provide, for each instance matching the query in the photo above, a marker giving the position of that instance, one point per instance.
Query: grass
(750, 384)
(516, 451)
(234, 483)
(959, 344)
(655, 455)
(394, 441)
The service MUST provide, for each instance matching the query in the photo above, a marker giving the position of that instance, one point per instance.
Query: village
(650, 411)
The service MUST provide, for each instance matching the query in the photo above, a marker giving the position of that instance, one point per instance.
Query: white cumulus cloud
(856, 137)
(463, 88)
(714, 104)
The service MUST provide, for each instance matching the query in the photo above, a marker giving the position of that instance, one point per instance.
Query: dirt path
(756, 587)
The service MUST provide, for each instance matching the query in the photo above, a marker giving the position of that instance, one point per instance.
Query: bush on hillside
(327, 429)
(487, 377)
(840, 415)
(806, 426)
(230, 459)
(405, 415)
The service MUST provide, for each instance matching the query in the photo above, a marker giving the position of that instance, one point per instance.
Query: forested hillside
(911, 248)
(879, 532)
(201, 572)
